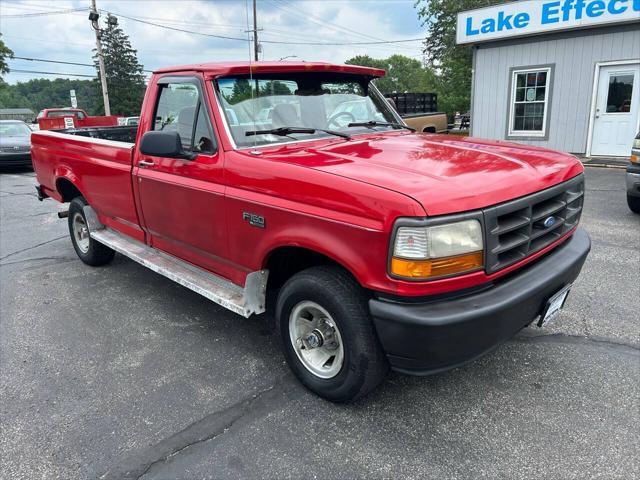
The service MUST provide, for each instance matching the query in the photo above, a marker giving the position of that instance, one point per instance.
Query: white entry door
(617, 107)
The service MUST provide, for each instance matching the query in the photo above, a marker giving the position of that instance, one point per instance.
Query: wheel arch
(67, 187)
(284, 261)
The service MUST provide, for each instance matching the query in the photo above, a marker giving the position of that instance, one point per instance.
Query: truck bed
(422, 114)
(125, 133)
(97, 162)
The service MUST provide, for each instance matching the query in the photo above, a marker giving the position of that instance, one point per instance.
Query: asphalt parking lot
(117, 372)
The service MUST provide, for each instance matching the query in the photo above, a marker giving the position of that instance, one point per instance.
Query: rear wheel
(329, 339)
(634, 203)
(89, 250)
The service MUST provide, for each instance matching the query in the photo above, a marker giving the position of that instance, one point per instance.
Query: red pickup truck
(374, 246)
(60, 118)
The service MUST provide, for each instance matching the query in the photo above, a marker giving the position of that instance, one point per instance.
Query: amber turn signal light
(436, 267)
(634, 159)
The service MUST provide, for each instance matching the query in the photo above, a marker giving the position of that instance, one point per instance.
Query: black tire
(364, 365)
(634, 203)
(96, 254)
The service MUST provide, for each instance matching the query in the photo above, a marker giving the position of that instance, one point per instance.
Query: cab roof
(221, 69)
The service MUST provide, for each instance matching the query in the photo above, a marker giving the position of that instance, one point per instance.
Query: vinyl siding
(574, 58)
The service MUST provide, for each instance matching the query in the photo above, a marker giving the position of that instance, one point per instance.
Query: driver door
(181, 201)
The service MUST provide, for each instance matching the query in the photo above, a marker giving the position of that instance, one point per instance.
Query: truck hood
(444, 173)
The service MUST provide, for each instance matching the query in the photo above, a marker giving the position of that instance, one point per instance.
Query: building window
(620, 93)
(529, 102)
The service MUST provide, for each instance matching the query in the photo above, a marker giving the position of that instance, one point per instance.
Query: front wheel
(89, 250)
(634, 203)
(329, 339)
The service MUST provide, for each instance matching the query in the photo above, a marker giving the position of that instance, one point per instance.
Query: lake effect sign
(538, 16)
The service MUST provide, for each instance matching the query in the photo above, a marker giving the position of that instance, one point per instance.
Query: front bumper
(430, 337)
(15, 160)
(633, 180)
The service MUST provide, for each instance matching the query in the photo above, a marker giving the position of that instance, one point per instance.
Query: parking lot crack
(208, 428)
(38, 259)
(614, 344)
(32, 247)
(18, 194)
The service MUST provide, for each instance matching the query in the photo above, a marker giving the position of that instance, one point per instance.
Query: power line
(53, 61)
(40, 14)
(280, 42)
(192, 23)
(62, 62)
(226, 37)
(318, 21)
(267, 30)
(65, 43)
(68, 74)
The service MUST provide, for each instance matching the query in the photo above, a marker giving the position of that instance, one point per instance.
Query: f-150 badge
(253, 219)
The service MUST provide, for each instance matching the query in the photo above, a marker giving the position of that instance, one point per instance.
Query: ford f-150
(374, 246)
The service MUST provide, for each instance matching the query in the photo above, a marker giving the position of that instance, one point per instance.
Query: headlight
(439, 250)
(635, 156)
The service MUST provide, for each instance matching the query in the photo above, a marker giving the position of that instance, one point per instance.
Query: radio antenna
(251, 84)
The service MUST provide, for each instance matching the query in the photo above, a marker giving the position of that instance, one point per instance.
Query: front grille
(515, 230)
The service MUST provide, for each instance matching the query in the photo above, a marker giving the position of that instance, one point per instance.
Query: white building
(563, 74)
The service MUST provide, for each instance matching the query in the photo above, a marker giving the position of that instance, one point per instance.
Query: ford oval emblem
(549, 222)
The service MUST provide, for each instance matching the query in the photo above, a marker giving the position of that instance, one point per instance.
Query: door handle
(145, 163)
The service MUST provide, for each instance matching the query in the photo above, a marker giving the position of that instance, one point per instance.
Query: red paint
(219, 69)
(339, 198)
(80, 119)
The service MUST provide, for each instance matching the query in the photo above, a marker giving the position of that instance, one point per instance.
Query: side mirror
(164, 144)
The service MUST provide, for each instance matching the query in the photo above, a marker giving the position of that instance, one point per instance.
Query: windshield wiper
(286, 131)
(374, 123)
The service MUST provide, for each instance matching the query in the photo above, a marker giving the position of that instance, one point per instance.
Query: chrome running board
(243, 301)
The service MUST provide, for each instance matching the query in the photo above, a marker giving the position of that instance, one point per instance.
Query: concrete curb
(604, 162)
(605, 165)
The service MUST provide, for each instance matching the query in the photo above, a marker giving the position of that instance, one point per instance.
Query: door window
(180, 109)
(620, 92)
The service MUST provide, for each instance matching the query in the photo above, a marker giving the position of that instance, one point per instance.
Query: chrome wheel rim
(316, 339)
(80, 232)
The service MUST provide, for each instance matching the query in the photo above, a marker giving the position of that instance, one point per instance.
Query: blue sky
(68, 36)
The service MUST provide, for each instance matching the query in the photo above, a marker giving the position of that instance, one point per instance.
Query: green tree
(125, 80)
(274, 87)
(404, 74)
(40, 93)
(5, 53)
(241, 92)
(451, 61)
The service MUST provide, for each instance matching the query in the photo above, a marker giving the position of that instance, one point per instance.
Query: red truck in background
(373, 246)
(62, 118)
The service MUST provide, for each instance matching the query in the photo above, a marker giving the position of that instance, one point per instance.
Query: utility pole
(256, 45)
(93, 17)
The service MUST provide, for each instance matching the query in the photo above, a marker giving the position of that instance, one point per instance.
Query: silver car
(633, 177)
(15, 144)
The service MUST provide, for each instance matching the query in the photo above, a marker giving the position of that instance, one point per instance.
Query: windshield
(14, 130)
(304, 100)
